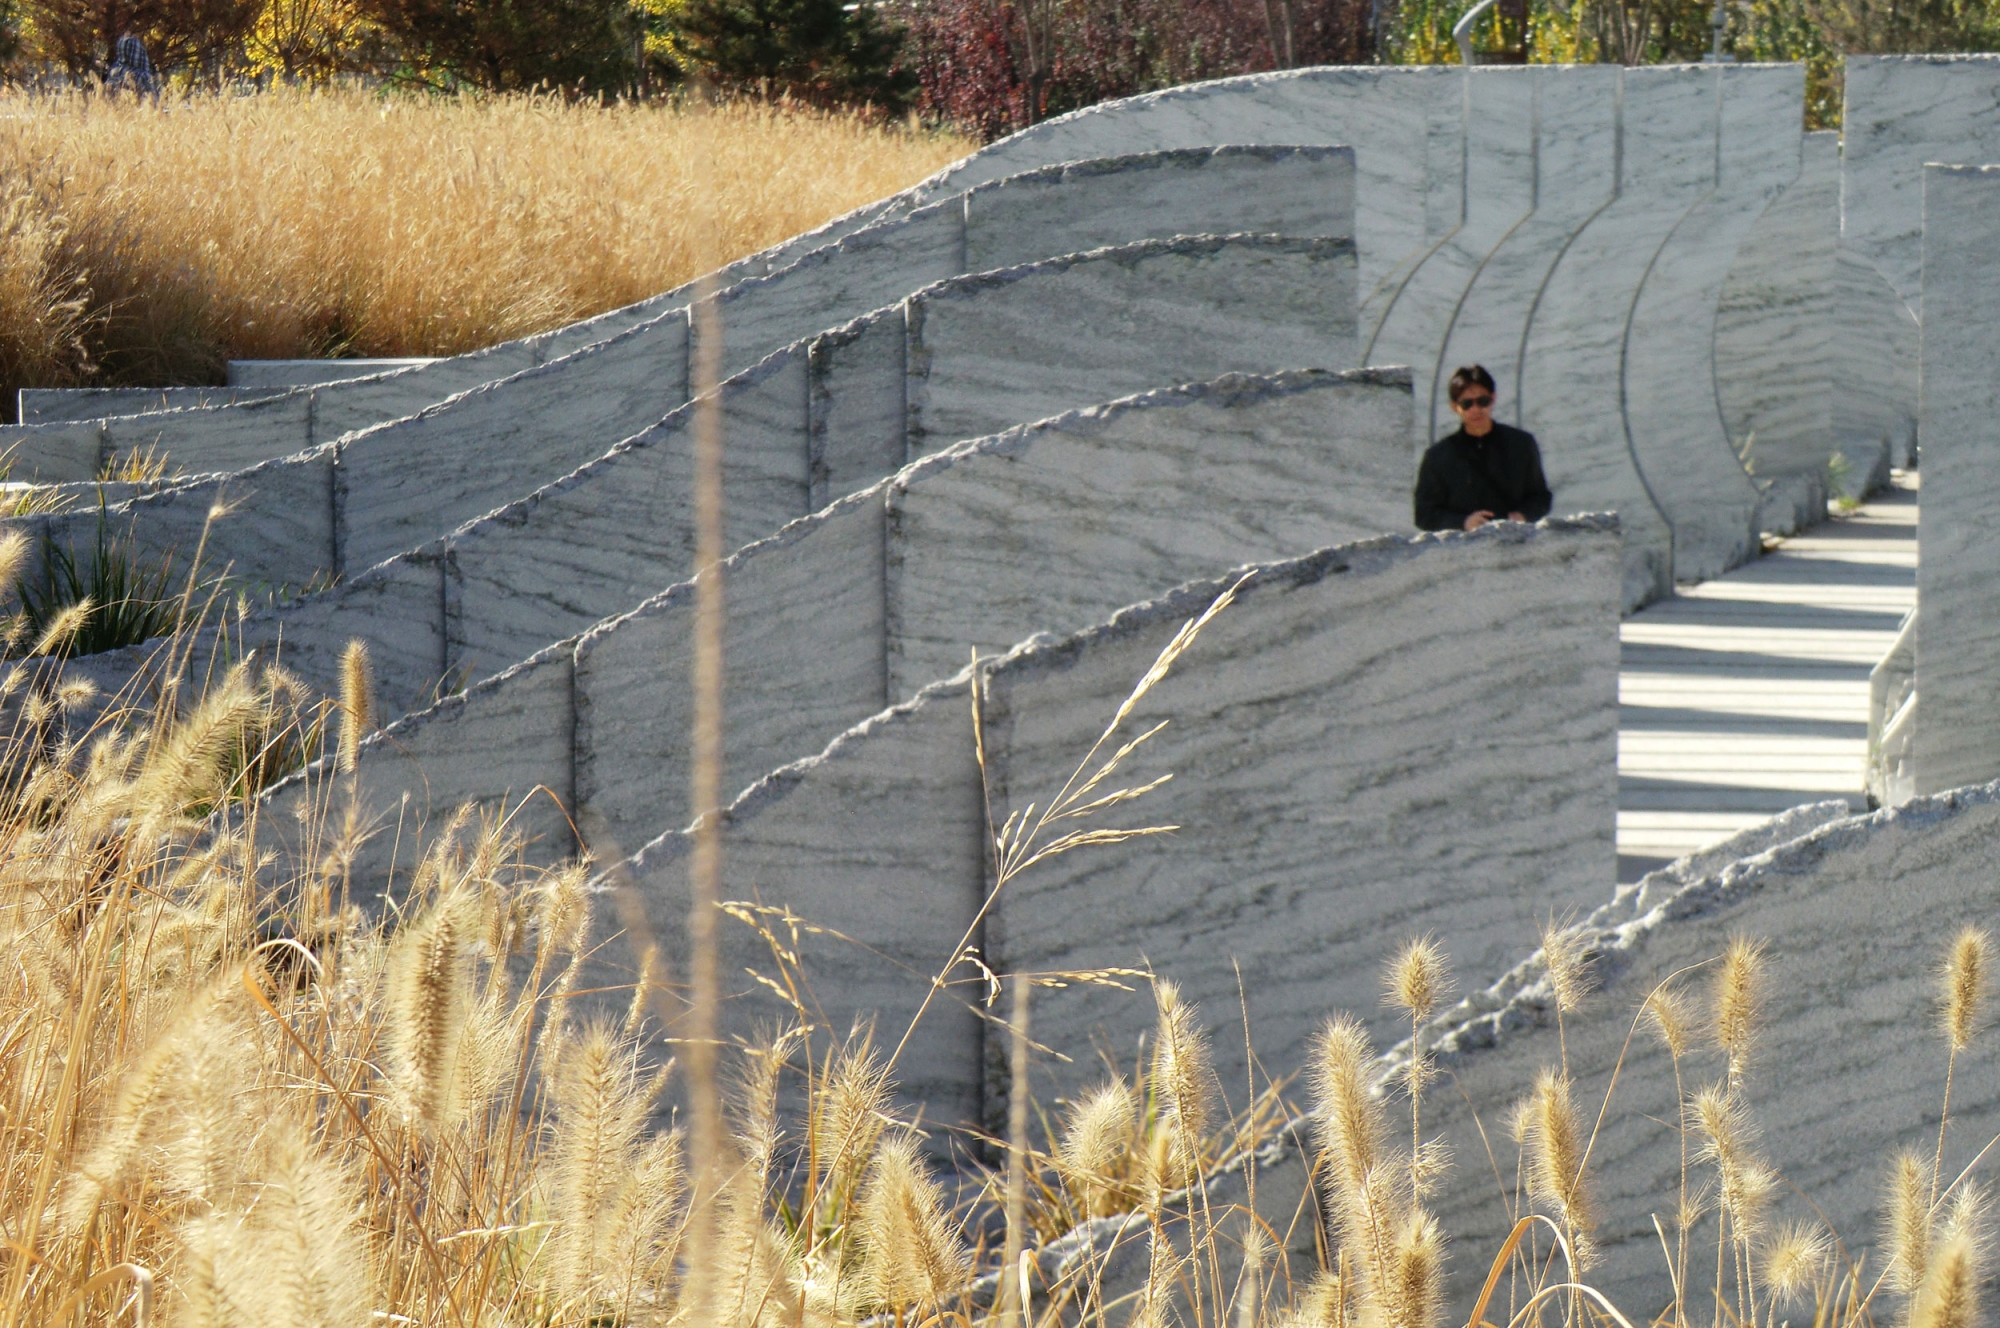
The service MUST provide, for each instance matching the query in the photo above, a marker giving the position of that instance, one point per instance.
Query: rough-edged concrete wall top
(1846, 1067)
(1957, 739)
(1403, 124)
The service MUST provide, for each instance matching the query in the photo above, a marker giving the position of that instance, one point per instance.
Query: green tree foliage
(817, 51)
(200, 38)
(510, 45)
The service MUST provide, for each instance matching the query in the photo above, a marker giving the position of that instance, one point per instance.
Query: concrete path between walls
(1748, 694)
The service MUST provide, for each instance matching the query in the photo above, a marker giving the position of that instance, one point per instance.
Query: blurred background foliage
(987, 67)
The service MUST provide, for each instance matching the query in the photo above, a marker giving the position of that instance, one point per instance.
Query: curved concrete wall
(1774, 324)
(960, 359)
(1668, 367)
(1573, 353)
(1057, 525)
(1286, 863)
(1060, 209)
(1404, 124)
(1575, 177)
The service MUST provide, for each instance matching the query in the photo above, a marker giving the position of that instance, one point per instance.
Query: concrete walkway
(1748, 694)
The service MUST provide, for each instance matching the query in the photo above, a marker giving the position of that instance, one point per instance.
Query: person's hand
(1515, 516)
(1477, 519)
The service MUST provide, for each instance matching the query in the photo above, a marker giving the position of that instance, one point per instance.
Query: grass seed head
(1963, 982)
(1567, 964)
(1795, 1259)
(1667, 1011)
(911, 1258)
(357, 701)
(1907, 1233)
(1184, 1079)
(1097, 1146)
(1739, 994)
(1418, 978)
(1949, 1294)
(1554, 1138)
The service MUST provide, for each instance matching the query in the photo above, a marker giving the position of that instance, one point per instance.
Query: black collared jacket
(1499, 473)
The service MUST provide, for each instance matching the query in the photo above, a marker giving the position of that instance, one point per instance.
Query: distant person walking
(131, 68)
(1484, 470)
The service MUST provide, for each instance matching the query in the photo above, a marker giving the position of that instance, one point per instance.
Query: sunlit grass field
(148, 245)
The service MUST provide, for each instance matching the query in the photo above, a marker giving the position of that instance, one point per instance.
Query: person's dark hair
(1471, 375)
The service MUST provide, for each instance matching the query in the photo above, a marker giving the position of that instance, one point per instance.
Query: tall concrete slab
(1573, 352)
(1501, 106)
(1774, 325)
(1957, 738)
(1282, 865)
(1899, 112)
(1575, 176)
(1669, 364)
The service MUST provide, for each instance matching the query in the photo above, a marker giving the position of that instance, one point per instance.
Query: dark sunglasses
(1474, 403)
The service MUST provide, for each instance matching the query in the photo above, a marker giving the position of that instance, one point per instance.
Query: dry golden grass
(228, 1098)
(171, 239)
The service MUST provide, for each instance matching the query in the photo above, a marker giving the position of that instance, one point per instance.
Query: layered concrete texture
(1571, 394)
(1284, 866)
(1405, 126)
(1668, 369)
(1846, 1067)
(962, 359)
(52, 405)
(1957, 736)
(1900, 112)
(1051, 527)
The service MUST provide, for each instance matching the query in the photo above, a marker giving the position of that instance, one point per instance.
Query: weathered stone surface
(1424, 787)
(507, 742)
(1957, 739)
(1774, 324)
(1575, 175)
(1060, 524)
(1283, 807)
(1572, 359)
(821, 839)
(412, 480)
(804, 648)
(989, 351)
(1668, 384)
(858, 412)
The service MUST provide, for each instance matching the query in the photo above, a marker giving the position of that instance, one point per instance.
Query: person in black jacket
(1484, 469)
